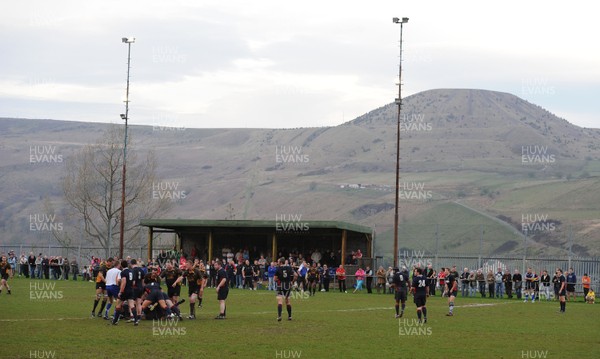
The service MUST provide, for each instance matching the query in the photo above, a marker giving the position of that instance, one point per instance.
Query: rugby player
(420, 289)
(113, 276)
(204, 277)
(313, 278)
(222, 289)
(5, 270)
(154, 294)
(125, 294)
(284, 277)
(194, 280)
(400, 284)
(138, 286)
(173, 277)
(451, 291)
(562, 290)
(100, 289)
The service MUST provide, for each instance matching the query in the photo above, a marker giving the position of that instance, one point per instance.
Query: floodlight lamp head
(123, 117)
(128, 40)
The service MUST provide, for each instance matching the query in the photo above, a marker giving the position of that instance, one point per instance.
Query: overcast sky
(239, 63)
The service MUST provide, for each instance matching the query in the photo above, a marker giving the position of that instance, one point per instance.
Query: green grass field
(327, 325)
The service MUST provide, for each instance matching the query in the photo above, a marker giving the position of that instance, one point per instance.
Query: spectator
(490, 282)
(464, 281)
(86, 274)
(333, 259)
(499, 284)
(262, 266)
(230, 269)
(431, 279)
(66, 266)
(225, 251)
(248, 272)
(358, 257)
(340, 273)
(507, 280)
(473, 283)
(12, 261)
(571, 281)
(390, 280)
(74, 268)
(360, 278)
(31, 262)
(369, 276)
(442, 280)
(39, 266)
(46, 267)
(518, 280)
(556, 284)
(590, 298)
(316, 256)
(326, 276)
(481, 281)
(585, 282)
(271, 275)
(380, 279)
(545, 288)
(23, 266)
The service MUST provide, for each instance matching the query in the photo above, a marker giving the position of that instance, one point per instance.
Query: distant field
(327, 325)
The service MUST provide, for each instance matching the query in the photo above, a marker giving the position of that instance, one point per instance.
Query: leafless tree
(92, 188)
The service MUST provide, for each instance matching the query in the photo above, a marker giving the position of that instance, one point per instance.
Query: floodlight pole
(128, 41)
(399, 104)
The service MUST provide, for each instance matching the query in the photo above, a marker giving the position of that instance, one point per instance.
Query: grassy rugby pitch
(51, 319)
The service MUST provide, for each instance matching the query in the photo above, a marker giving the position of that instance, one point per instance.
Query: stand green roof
(175, 224)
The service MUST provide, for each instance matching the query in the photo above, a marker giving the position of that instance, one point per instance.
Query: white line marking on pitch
(476, 305)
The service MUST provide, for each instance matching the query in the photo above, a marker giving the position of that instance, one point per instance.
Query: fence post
(570, 245)
(437, 242)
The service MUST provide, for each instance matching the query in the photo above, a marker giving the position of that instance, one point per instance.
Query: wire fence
(81, 254)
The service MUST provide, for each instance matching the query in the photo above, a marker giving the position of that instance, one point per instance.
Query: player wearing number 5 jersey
(284, 277)
(421, 292)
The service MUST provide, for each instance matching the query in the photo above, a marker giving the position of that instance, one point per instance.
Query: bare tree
(92, 188)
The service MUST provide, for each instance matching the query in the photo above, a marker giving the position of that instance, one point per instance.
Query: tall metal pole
(399, 104)
(128, 41)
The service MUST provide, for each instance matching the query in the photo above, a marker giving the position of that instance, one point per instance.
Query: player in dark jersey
(125, 294)
(5, 269)
(451, 290)
(173, 278)
(100, 288)
(313, 278)
(222, 289)
(400, 283)
(204, 276)
(153, 294)
(284, 277)
(562, 290)
(138, 286)
(420, 290)
(194, 281)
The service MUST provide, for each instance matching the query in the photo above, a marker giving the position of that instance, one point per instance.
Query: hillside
(457, 145)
